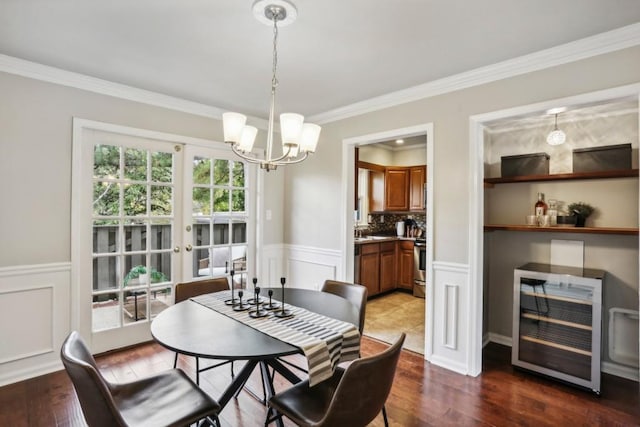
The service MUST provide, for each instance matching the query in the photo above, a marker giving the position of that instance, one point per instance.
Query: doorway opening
(370, 228)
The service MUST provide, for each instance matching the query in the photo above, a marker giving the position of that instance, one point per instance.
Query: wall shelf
(624, 173)
(585, 230)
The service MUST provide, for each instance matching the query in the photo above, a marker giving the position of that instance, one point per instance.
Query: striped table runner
(324, 341)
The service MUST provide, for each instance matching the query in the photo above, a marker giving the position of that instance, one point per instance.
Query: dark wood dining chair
(187, 290)
(351, 397)
(165, 399)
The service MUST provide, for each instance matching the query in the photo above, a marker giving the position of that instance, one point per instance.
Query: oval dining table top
(193, 329)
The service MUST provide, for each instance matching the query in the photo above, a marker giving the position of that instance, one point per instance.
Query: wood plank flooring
(422, 395)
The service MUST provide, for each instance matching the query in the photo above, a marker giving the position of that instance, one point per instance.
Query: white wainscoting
(450, 340)
(35, 318)
(303, 266)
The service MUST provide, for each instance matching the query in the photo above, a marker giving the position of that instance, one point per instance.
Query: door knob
(176, 249)
(188, 248)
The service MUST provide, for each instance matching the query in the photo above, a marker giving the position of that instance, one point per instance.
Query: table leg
(237, 382)
(135, 305)
(270, 390)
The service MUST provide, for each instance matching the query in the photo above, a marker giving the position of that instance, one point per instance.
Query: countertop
(378, 239)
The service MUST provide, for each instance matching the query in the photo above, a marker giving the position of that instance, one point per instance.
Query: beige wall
(309, 216)
(35, 165)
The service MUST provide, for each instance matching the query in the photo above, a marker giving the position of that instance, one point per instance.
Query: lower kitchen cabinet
(405, 264)
(387, 266)
(369, 267)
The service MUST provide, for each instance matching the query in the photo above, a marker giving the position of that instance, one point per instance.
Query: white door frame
(347, 217)
(476, 195)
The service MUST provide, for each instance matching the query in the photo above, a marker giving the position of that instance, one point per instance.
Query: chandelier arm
(284, 156)
(244, 156)
(292, 161)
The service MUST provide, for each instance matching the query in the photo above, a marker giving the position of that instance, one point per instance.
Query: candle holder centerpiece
(257, 300)
(283, 312)
(241, 306)
(272, 305)
(259, 310)
(233, 300)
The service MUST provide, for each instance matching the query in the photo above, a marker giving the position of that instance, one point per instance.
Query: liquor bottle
(541, 206)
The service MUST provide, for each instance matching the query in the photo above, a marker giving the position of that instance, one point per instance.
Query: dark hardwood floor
(422, 394)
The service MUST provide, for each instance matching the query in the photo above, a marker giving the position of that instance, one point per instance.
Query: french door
(152, 210)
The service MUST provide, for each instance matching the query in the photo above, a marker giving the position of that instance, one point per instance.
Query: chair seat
(167, 399)
(304, 405)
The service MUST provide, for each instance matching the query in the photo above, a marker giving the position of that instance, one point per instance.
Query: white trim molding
(38, 297)
(304, 267)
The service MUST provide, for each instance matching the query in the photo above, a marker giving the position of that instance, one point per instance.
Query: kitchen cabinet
(404, 188)
(396, 185)
(369, 267)
(387, 266)
(417, 184)
(556, 322)
(405, 264)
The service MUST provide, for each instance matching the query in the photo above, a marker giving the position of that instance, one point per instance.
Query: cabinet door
(405, 270)
(387, 271)
(416, 187)
(396, 183)
(369, 268)
(376, 191)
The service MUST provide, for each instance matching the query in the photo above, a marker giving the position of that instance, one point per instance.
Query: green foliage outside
(133, 168)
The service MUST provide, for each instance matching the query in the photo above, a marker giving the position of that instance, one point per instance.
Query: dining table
(192, 328)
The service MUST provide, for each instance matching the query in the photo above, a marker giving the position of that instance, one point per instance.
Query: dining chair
(165, 399)
(354, 293)
(351, 397)
(187, 290)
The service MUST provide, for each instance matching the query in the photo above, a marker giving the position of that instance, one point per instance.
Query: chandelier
(298, 138)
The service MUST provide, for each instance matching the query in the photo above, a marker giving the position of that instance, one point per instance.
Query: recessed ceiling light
(399, 141)
(557, 110)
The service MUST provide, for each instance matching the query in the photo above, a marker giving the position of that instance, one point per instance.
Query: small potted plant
(581, 210)
(140, 272)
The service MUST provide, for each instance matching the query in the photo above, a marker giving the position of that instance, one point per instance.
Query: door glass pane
(220, 231)
(221, 200)
(106, 161)
(135, 199)
(105, 273)
(105, 237)
(162, 167)
(238, 174)
(160, 235)
(201, 204)
(238, 200)
(106, 198)
(135, 237)
(201, 171)
(161, 200)
(135, 164)
(106, 311)
(239, 228)
(221, 172)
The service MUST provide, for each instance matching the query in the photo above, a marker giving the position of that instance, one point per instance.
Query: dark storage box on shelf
(609, 157)
(525, 164)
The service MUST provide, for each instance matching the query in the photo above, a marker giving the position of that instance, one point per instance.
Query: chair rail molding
(41, 296)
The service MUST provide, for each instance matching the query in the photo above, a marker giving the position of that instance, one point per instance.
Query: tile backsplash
(386, 223)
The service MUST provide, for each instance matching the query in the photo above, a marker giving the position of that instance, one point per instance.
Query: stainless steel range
(419, 267)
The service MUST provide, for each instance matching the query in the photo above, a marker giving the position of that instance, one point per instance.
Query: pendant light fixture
(556, 136)
(298, 138)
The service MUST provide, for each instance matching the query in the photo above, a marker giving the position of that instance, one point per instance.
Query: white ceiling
(337, 52)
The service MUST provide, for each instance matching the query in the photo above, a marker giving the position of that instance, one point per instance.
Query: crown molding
(33, 70)
(599, 44)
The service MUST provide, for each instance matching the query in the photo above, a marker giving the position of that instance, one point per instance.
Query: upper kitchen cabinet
(404, 188)
(417, 187)
(396, 189)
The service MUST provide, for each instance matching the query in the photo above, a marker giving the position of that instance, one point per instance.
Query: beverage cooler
(557, 322)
